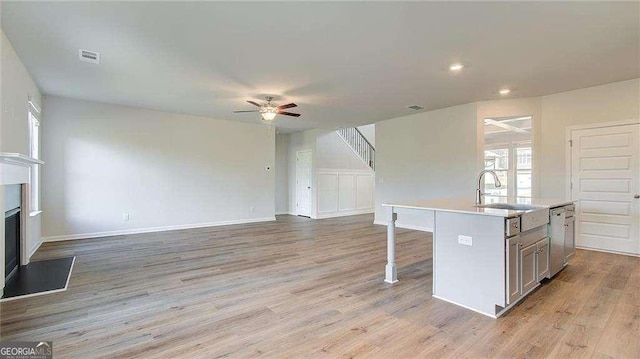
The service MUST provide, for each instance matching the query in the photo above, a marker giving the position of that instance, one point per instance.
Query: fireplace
(12, 230)
(24, 278)
(22, 222)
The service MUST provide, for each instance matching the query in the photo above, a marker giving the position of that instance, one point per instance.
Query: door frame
(568, 160)
(311, 200)
(569, 163)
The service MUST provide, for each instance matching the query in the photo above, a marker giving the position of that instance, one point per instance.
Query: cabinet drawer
(513, 226)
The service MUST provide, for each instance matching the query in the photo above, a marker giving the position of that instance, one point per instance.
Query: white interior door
(303, 183)
(605, 177)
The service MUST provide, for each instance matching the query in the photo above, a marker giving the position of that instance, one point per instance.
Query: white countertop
(467, 205)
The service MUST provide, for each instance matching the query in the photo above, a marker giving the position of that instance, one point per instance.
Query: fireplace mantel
(19, 159)
(16, 167)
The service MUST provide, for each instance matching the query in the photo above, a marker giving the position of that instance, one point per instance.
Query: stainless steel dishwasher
(561, 224)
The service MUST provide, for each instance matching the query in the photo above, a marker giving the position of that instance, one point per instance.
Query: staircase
(359, 144)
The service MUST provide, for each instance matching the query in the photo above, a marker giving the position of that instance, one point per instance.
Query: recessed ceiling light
(505, 91)
(456, 67)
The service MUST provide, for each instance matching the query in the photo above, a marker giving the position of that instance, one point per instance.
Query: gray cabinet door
(569, 240)
(513, 269)
(542, 259)
(528, 274)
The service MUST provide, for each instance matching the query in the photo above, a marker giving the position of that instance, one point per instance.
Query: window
(508, 152)
(34, 132)
(497, 160)
(512, 164)
(523, 170)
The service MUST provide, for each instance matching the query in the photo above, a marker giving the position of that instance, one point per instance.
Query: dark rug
(39, 277)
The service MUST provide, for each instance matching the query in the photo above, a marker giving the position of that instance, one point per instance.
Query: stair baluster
(359, 144)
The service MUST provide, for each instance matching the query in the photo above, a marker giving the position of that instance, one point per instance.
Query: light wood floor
(303, 288)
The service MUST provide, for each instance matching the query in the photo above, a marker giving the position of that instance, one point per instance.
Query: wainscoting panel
(327, 192)
(344, 192)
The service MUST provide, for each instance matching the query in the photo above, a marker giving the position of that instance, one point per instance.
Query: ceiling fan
(268, 111)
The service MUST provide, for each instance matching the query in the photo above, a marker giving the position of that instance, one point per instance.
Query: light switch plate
(466, 240)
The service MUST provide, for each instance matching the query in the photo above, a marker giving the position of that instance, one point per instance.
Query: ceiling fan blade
(254, 103)
(288, 113)
(286, 106)
(246, 111)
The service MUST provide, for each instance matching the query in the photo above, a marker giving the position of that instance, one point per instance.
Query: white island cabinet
(485, 258)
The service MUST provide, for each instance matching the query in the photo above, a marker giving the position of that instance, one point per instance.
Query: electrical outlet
(252, 208)
(125, 216)
(465, 240)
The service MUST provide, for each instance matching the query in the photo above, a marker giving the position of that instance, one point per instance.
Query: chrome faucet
(479, 193)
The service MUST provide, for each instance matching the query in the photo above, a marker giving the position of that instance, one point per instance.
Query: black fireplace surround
(12, 216)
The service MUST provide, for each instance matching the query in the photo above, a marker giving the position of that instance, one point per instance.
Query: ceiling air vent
(416, 107)
(89, 56)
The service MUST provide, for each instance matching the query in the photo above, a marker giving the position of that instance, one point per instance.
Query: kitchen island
(485, 257)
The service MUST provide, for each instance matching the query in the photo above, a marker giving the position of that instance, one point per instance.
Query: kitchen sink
(530, 216)
(512, 207)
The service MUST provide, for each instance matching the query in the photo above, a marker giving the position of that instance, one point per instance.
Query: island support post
(391, 270)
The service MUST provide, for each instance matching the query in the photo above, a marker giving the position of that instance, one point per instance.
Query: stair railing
(359, 144)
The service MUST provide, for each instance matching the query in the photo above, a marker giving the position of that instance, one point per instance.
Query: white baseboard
(406, 226)
(466, 307)
(343, 214)
(35, 248)
(68, 237)
(331, 171)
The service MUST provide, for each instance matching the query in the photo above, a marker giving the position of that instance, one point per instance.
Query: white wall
(331, 155)
(552, 115)
(434, 154)
(282, 173)
(334, 153)
(369, 132)
(427, 155)
(617, 101)
(16, 86)
(345, 184)
(164, 170)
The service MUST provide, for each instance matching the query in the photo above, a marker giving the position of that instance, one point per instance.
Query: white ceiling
(343, 63)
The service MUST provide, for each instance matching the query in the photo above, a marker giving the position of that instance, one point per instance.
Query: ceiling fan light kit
(268, 114)
(268, 111)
